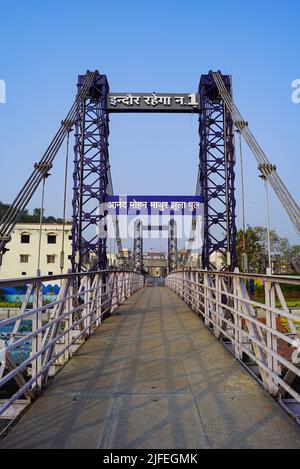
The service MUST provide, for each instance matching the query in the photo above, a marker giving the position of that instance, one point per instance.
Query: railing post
(37, 339)
(181, 281)
(120, 288)
(206, 299)
(69, 321)
(123, 287)
(271, 338)
(113, 290)
(237, 319)
(86, 309)
(192, 290)
(218, 306)
(197, 292)
(127, 285)
(130, 287)
(200, 293)
(185, 287)
(98, 300)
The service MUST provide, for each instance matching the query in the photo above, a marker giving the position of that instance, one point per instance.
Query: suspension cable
(242, 189)
(115, 220)
(289, 204)
(16, 209)
(62, 254)
(44, 169)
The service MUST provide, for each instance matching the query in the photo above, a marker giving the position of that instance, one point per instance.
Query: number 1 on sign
(192, 99)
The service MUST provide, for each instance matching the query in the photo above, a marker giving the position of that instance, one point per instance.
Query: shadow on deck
(153, 376)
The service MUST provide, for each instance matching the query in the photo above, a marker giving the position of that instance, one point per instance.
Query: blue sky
(161, 46)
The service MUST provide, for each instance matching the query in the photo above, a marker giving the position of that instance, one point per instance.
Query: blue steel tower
(90, 177)
(217, 162)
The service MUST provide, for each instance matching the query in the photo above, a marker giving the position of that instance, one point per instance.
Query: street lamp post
(68, 125)
(44, 168)
(242, 125)
(266, 170)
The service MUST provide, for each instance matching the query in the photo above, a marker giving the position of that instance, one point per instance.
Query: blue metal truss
(172, 246)
(217, 161)
(90, 178)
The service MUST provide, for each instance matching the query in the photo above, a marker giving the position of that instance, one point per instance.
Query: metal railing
(56, 330)
(263, 334)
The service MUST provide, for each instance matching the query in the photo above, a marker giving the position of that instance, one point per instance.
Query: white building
(22, 257)
(112, 260)
(155, 263)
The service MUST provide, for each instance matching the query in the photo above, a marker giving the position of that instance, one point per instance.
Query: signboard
(154, 205)
(153, 102)
(154, 214)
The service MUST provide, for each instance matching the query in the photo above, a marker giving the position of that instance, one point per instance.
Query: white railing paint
(82, 303)
(248, 328)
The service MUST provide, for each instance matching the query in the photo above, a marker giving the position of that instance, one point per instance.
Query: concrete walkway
(154, 377)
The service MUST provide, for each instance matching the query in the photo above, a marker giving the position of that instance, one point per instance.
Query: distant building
(194, 260)
(155, 264)
(282, 265)
(114, 260)
(217, 260)
(126, 257)
(22, 257)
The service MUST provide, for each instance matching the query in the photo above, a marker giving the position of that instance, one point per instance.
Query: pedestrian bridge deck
(153, 376)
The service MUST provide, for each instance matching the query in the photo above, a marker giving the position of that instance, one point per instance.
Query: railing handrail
(48, 278)
(293, 280)
(78, 310)
(250, 329)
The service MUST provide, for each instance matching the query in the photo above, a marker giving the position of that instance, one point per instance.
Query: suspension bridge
(117, 361)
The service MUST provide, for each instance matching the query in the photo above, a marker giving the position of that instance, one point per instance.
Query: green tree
(30, 218)
(252, 248)
(256, 247)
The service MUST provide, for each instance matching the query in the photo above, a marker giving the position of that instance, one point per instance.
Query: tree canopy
(30, 218)
(256, 244)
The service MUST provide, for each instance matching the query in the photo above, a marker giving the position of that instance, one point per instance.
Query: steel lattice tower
(138, 246)
(90, 178)
(217, 161)
(172, 246)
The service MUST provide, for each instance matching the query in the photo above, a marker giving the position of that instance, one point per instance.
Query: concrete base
(153, 376)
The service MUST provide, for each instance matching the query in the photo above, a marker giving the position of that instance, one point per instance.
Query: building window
(70, 237)
(24, 258)
(50, 259)
(23, 273)
(51, 239)
(25, 238)
(50, 273)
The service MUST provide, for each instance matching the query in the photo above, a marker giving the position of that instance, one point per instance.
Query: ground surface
(154, 377)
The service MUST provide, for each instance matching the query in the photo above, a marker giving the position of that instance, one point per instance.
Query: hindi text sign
(152, 102)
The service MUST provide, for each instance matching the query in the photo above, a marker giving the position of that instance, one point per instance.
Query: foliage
(18, 304)
(28, 218)
(10, 304)
(256, 244)
(285, 324)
